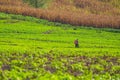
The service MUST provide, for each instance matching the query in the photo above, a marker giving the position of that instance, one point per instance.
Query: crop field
(35, 49)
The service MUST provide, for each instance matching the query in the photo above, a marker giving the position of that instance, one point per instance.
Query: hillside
(38, 40)
(35, 49)
(88, 6)
(80, 13)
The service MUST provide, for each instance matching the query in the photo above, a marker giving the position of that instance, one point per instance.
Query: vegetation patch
(95, 13)
(35, 49)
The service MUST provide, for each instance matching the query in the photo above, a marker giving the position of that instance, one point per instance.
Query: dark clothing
(76, 43)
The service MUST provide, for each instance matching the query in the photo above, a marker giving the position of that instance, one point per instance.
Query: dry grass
(68, 13)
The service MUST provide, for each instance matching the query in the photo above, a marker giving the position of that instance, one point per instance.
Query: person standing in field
(76, 43)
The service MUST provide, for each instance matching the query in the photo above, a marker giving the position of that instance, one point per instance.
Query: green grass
(34, 49)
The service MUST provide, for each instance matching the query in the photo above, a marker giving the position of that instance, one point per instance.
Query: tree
(36, 3)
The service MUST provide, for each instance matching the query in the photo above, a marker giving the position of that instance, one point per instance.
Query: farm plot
(33, 49)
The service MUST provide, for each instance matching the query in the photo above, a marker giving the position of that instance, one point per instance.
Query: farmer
(76, 43)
